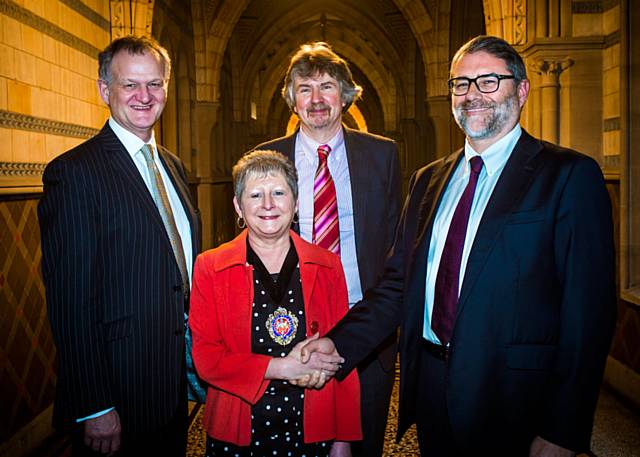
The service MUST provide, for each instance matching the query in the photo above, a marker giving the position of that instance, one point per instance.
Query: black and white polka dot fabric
(276, 420)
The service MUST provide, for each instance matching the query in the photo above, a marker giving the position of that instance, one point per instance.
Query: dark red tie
(447, 282)
(326, 230)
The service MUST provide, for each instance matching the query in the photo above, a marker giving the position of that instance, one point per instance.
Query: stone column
(439, 110)
(550, 69)
(206, 114)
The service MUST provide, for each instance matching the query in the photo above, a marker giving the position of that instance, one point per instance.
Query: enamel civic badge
(282, 326)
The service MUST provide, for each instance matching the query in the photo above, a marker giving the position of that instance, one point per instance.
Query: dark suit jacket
(376, 192)
(114, 295)
(537, 305)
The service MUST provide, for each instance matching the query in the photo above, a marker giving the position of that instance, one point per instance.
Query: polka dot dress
(277, 418)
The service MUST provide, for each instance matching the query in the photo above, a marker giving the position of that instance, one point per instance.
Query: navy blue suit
(536, 311)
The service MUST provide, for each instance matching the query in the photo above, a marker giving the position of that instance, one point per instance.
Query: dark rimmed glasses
(486, 84)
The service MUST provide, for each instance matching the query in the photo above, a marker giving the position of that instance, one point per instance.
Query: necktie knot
(476, 164)
(323, 151)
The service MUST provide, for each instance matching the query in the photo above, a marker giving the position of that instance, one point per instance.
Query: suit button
(179, 332)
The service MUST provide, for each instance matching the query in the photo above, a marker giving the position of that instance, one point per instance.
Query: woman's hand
(319, 368)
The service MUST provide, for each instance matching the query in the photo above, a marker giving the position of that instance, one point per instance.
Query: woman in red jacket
(254, 300)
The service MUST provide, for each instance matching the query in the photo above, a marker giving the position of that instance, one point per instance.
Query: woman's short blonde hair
(260, 164)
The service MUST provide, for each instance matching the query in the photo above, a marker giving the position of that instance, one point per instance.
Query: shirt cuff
(93, 416)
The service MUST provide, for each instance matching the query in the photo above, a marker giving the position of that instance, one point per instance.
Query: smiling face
(318, 105)
(485, 118)
(137, 92)
(267, 206)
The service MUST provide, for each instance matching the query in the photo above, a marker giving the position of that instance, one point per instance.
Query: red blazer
(220, 320)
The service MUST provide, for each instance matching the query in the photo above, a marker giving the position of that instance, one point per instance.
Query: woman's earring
(296, 218)
(241, 223)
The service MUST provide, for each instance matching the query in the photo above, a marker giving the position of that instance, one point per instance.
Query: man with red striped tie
(350, 197)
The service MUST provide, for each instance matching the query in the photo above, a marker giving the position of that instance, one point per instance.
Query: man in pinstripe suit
(119, 232)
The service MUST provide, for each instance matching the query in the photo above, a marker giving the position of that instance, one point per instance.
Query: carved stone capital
(550, 67)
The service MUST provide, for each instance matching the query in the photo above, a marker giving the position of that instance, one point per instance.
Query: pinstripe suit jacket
(113, 288)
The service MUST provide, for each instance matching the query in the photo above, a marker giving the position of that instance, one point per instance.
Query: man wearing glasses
(502, 280)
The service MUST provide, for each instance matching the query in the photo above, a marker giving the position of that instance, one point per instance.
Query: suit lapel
(432, 197)
(426, 214)
(123, 165)
(358, 173)
(510, 188)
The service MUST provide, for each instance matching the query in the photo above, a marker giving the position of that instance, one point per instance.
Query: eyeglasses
(486, 84)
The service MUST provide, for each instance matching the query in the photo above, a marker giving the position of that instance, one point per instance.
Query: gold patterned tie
(161, 199)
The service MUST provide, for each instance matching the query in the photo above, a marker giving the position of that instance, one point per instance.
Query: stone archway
(214, 23)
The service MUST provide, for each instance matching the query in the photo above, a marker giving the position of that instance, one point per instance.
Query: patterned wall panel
(27, 352)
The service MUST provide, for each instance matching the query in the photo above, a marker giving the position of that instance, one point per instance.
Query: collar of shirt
(309, 147)
(495, 156)
(131, 142)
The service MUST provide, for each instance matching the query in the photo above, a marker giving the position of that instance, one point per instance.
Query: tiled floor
(616, 431)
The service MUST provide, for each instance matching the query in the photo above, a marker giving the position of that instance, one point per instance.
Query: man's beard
(495, 120)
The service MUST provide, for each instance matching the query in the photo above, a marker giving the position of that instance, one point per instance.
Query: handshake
(310, 364)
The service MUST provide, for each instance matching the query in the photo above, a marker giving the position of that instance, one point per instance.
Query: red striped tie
(326, 229)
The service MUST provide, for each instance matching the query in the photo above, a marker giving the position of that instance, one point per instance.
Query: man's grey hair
(314, 59)
(134, 45)
(497, 47)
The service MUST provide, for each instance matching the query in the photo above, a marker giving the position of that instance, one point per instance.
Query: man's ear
(523, 92)
(103, 90)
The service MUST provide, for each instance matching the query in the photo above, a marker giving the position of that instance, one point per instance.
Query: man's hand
(320, 345)
(314, 373)
(543, 448)
(102, 433)
(317, 348)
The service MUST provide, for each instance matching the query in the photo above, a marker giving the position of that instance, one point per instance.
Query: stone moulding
(21, 177)
(12, 120)
(23, 169)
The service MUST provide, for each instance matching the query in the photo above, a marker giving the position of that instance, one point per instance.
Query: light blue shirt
(495, 158)
(133, 144)
(306, 154)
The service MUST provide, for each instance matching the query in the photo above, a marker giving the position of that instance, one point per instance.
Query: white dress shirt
(495, 158)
